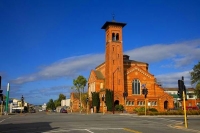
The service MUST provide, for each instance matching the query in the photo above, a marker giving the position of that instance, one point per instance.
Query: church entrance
(166, 105)
(116, 102)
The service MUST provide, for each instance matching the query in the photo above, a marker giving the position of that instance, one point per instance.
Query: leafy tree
(197, 90)
(96, 101)
(79, 85)
(195, 74)
(109, 99)
(51, 105)
(58, 101)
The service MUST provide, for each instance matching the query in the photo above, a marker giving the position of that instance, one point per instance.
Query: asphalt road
(93, 123)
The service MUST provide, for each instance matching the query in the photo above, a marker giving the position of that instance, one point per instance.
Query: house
(44, 107)
(65, 102)
(16, 105)
(191, 101)
(124, 76)
(75, 103)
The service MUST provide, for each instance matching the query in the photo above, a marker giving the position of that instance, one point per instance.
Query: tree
(51, 105)
(79, 85)
(109, 99)
(96, 101)
(58, 101)
(197, 90)
(195, 74)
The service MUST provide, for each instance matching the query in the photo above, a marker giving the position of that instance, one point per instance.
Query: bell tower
(114, 72)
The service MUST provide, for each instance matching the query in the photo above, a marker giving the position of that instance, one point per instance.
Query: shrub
(119, 107)
(153, 110)
(137, 110)
(141, 113)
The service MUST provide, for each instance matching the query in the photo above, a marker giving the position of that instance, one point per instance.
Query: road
(93, 123)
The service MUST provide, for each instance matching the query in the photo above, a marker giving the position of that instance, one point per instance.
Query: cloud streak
(171, 80)
(180, 54)
(67, 67)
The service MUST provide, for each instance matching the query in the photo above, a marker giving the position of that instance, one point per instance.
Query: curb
(180, 127)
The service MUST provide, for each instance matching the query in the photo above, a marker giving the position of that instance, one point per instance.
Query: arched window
(117, 37)
(113, 37)
(136, 86)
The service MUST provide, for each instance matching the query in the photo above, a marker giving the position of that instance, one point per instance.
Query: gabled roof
(100, 65)
(99, 74)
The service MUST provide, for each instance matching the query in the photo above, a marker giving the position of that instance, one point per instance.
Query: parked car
(32, 111)
(62, 110)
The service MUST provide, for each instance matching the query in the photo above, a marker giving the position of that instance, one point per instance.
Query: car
(32, 111)
(62, 110)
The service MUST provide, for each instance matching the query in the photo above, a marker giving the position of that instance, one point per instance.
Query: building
(44, 107)
(192, 100)
(123, 75)
(75, 102)
(65, 102)
(16, 105)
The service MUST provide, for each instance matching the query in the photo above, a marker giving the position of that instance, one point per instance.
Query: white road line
(2, 120)
(89, 131)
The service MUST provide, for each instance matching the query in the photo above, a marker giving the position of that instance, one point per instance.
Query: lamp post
(125, 94)
(103, 104)
(114, 92)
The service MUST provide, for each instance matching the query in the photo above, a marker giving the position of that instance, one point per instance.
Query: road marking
(2, 120)
(131, 130)
(89, 131)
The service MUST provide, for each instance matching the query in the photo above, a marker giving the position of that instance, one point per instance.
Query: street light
(125, 94)
(114, 92)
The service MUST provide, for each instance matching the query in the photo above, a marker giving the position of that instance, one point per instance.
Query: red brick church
(121, 74)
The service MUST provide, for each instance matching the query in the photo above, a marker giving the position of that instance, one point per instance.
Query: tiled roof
(99, 74)
(174, 95)
(100, 65)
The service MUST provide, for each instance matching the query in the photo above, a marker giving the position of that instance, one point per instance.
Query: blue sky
(45, 44)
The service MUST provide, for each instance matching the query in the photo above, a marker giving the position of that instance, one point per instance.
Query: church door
(116, 103)
(166, 105)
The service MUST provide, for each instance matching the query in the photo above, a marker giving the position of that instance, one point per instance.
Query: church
(125, 77)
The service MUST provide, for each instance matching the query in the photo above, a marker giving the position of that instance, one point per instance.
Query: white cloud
(63, 68)
(180, 54)
(171, 80)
